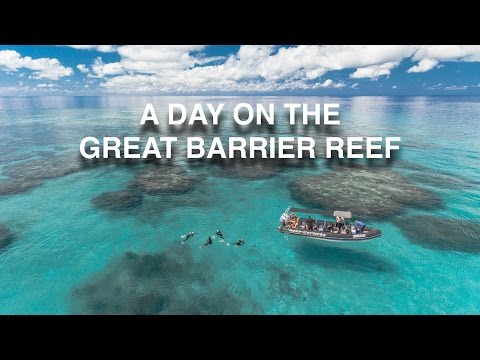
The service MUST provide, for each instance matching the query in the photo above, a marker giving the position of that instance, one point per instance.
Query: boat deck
(335, 235)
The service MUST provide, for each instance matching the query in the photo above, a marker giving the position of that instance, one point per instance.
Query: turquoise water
(70, 254)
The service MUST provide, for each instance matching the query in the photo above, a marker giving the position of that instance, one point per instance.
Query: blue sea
(94, 237)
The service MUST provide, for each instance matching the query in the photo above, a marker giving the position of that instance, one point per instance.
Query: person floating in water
(209, 242)
(240, 242)
(219, 233)
(188, 236)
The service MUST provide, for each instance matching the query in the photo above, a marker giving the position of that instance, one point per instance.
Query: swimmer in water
(188, 236)
(219, 233)
(209, 242)
(240, 242)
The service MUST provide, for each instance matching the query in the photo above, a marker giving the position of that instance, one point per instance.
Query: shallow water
(72, 254)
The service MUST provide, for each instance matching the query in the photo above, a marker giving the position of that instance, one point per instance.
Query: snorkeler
(209, 242)
(188, 236)
(219, 233)
(240, 242)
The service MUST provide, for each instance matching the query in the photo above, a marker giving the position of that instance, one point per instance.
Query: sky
(333, 70)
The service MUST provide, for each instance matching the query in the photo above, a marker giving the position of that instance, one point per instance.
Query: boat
(340, 230)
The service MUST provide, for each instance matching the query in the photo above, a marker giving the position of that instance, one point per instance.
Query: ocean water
(71, 246)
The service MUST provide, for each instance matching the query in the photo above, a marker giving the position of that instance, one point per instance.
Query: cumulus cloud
(252, 68)
(423, 66)
(162, 60)
(83, 68)
(374, 71)
(43, 68)
(100, 69)
(187, 68)
(330, 84)
(327, 83)
(448, 52)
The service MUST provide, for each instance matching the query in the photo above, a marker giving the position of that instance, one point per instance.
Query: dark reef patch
(369, 194)
(441, 234)
(118, 200)
(170, 282)
(26, 175)
(162, 179)
(6, 236)
(339, 258)
(252, 169)
(43, 168)
(12, 186)
(282, 282)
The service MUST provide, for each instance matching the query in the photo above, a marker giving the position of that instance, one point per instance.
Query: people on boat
(309, 223)
(219, 234)
(360, 226)
(188, 236)
(344, 230)
(293, 221)
(339, 222)
(240, 242)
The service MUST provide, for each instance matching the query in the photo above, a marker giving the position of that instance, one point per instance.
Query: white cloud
(43, 68)
(100, 69)
(48, 86)
(158, 69)
(374, 71)
(327, 83)
(455, 88)
(435, 86)
(330, 84)
(83, 68)
(162, 60)
(429, 56)
(354, 86)
(9, 90)
(394, 87)
(448, 52)
(253, 67)
(423, 66)
(100, 48)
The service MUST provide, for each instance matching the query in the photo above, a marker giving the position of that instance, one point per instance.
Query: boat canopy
(311, 211)
(344, 214)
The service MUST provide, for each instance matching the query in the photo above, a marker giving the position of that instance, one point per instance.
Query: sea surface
(104, 237)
